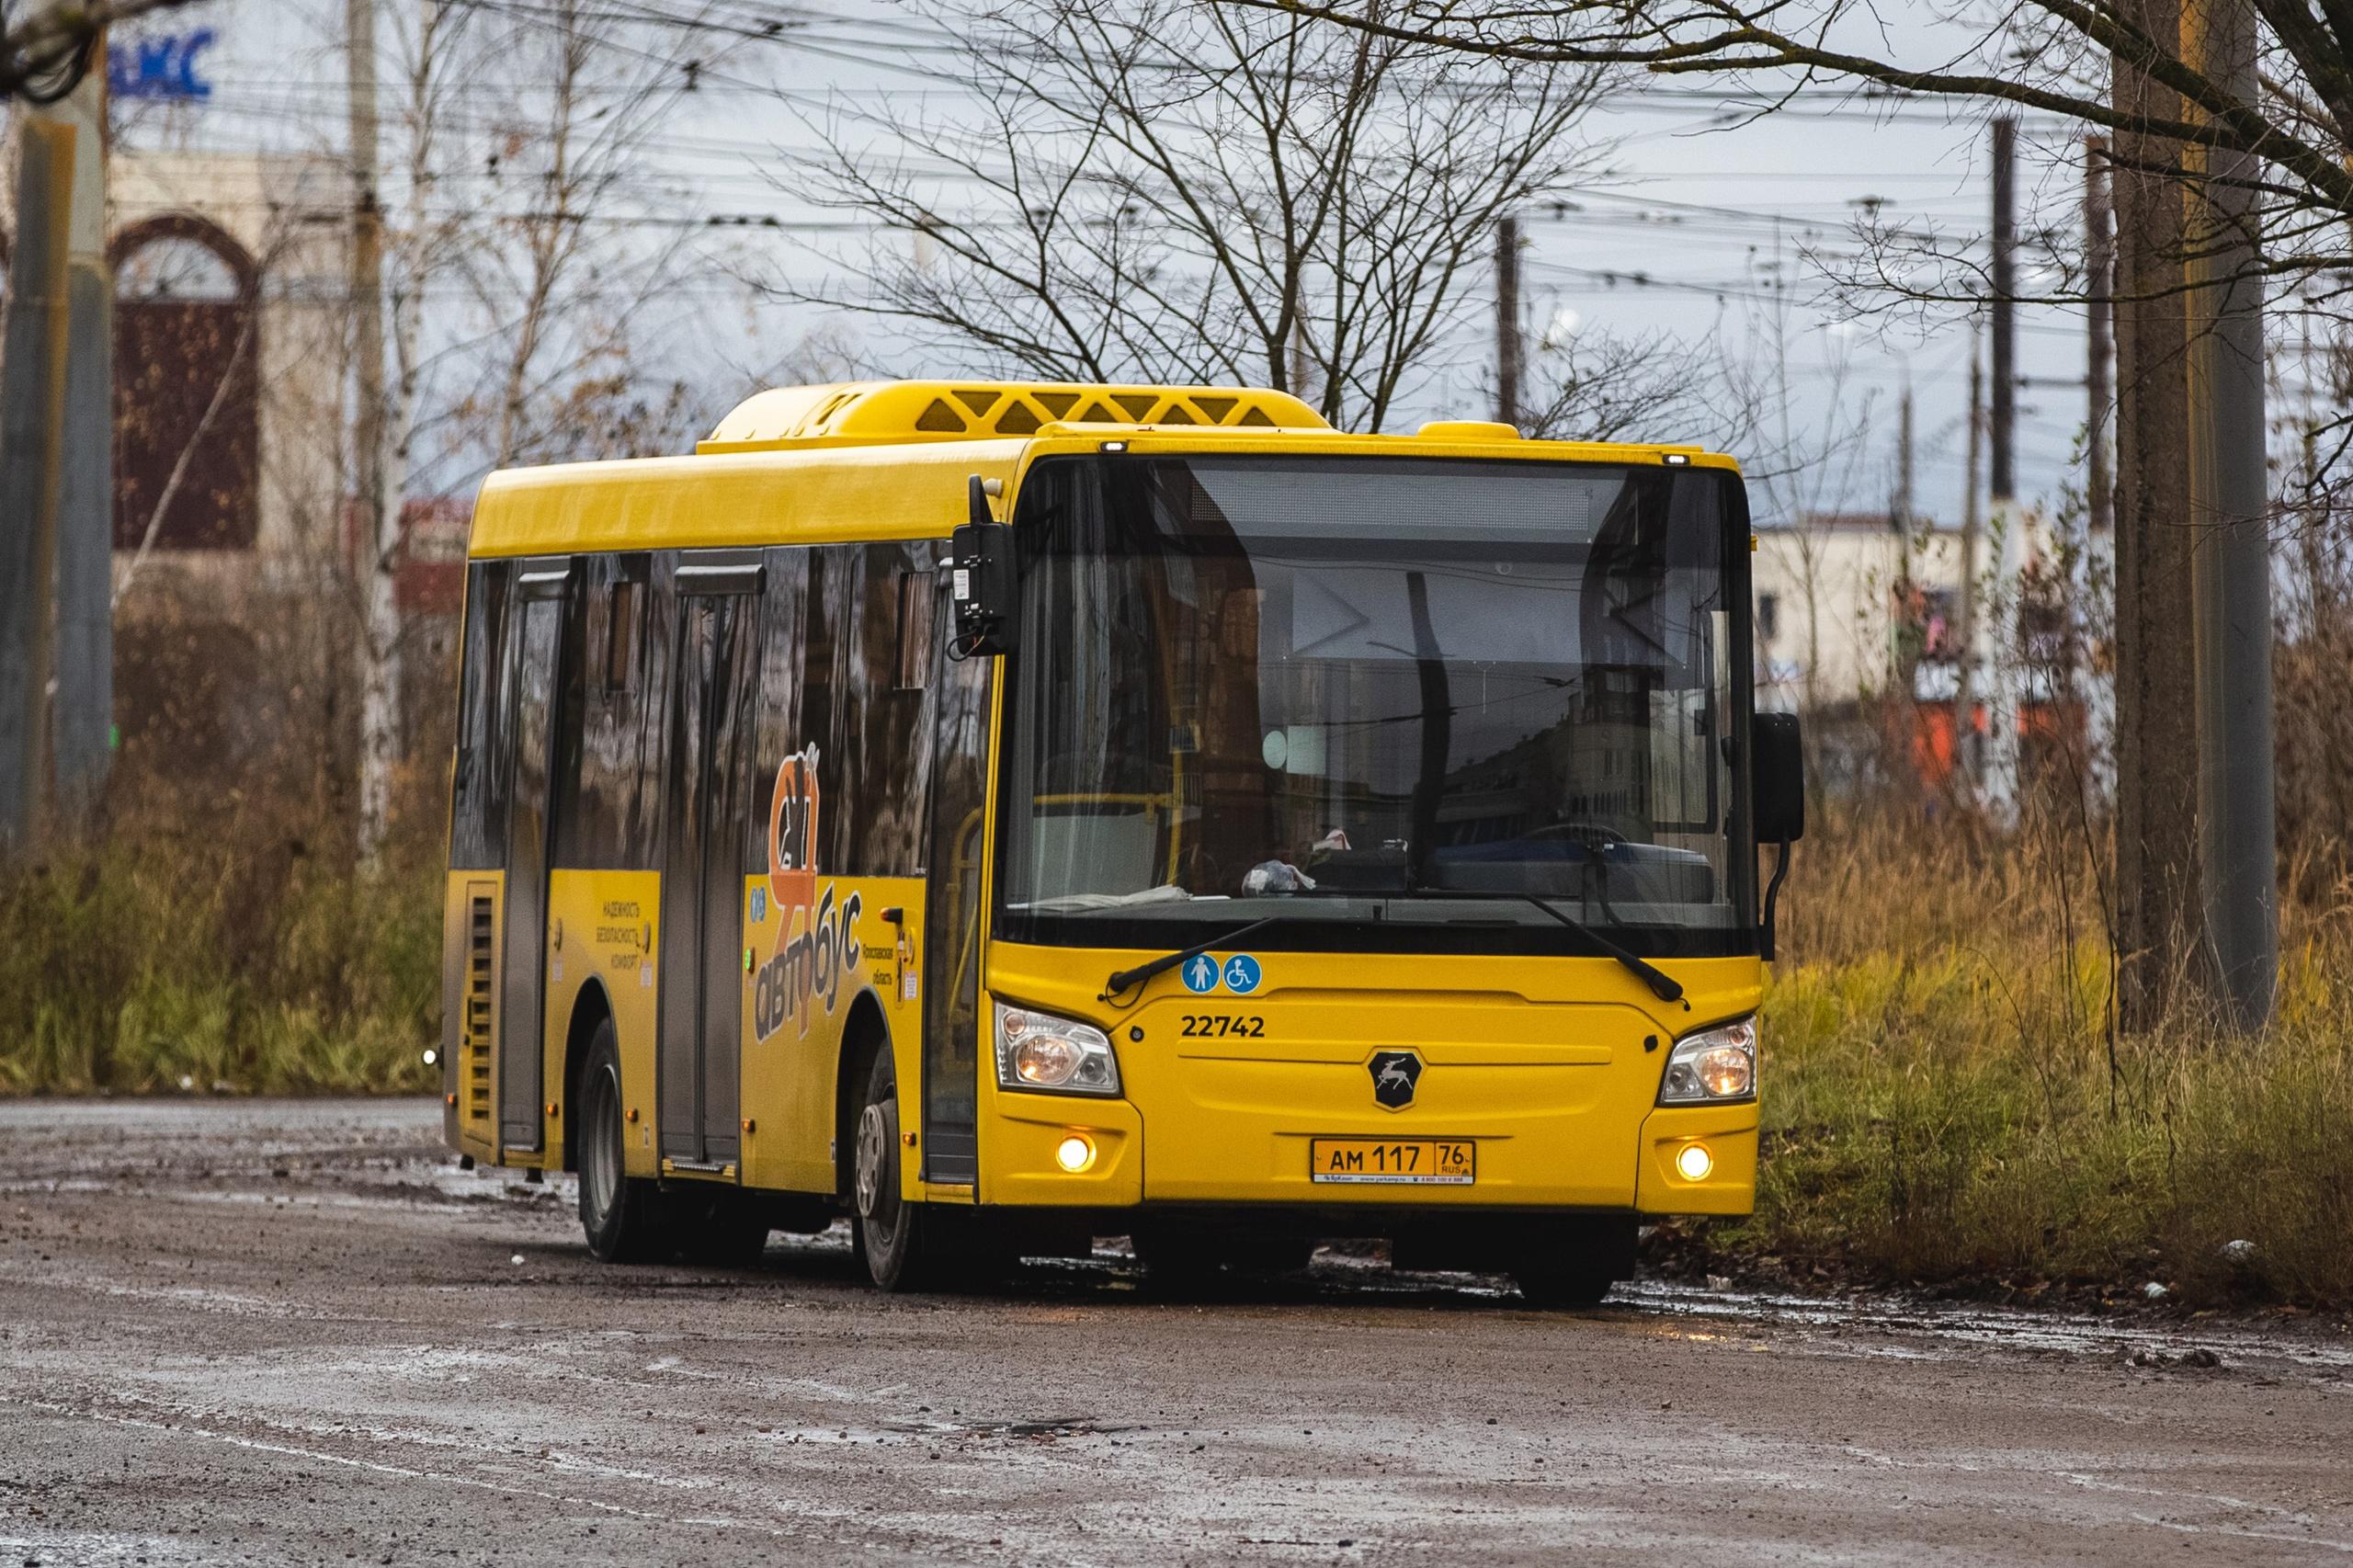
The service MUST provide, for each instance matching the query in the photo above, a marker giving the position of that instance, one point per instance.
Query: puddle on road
(1998, 1328)
(1881, 1326)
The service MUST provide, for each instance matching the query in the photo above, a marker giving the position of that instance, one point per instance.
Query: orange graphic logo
(816, 942)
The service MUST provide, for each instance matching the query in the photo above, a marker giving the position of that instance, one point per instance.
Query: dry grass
(1945, 1100)
(231, 955)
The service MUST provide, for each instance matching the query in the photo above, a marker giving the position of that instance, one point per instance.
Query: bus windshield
(1389, 700)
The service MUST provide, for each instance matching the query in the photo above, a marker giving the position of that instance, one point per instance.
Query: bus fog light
(1713, 1065)
(1074, 1153)
(1041, 1051)
(1694, 1161)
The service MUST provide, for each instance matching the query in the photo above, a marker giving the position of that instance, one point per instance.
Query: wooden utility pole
(2158, 909)
(32, 430)
(1508, 338)
(2230, 566)
(2001, 479)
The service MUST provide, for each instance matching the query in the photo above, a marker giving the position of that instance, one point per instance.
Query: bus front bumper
(1547, 1073)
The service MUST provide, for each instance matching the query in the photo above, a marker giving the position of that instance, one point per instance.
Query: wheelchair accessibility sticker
(1203, 973)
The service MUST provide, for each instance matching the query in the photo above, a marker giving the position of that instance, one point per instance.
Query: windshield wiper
(1664, 986)
(1123, 978)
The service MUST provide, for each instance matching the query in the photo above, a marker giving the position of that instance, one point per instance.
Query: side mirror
(981, 575)
(1776, 779)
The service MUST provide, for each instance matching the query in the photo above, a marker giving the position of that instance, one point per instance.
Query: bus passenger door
(534, 648)
(707, 786)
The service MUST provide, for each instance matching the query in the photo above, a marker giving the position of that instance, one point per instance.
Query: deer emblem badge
(1394, 1074)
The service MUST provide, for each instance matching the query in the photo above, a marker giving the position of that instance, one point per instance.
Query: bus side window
(777, 727)
(478, 807)
(880, 734)
(606, 715)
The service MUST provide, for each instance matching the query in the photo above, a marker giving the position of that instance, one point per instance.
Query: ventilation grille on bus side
(480, 928)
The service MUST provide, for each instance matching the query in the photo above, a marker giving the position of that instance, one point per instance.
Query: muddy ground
(256, 1331)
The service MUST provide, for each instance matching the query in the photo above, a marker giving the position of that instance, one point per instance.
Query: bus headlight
(1039, 1050)
(1712, 1066)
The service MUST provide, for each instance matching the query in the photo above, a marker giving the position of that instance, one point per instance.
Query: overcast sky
(1700, 228)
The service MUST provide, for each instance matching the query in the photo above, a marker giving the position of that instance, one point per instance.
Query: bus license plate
(1397, 1162)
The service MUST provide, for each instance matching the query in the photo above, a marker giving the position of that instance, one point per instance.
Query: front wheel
(622, 1216)
(888, 1230)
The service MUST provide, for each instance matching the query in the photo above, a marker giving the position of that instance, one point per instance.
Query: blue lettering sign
(161, 66)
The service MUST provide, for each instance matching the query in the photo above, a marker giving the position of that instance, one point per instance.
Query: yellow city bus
(1011, 815)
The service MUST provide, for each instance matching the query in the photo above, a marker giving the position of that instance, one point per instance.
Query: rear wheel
(622, 1216)
(1576, 1264)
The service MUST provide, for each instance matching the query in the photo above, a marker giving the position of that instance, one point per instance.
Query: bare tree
(1183, 191)
(557, 294)
(436, 60)
(1594, 385)
(2145, 73)
(510, 293)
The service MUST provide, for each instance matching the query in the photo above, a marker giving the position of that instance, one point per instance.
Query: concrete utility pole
(1507, 339)
(1998, 781)
(82, 712)
(1906, 643)
(32, 421)
(1964, 603)
(2230, 566)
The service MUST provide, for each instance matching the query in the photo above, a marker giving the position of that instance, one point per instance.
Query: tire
(887, 1232)
(1577, 1264)
(623, 1217)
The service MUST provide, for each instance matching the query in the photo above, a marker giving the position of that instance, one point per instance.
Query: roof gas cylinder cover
(855, 413)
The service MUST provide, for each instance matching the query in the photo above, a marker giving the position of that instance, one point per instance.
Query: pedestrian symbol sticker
(1200, 974)
(1242, 975)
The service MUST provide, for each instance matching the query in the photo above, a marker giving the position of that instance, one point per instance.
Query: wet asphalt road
(264, 1332)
